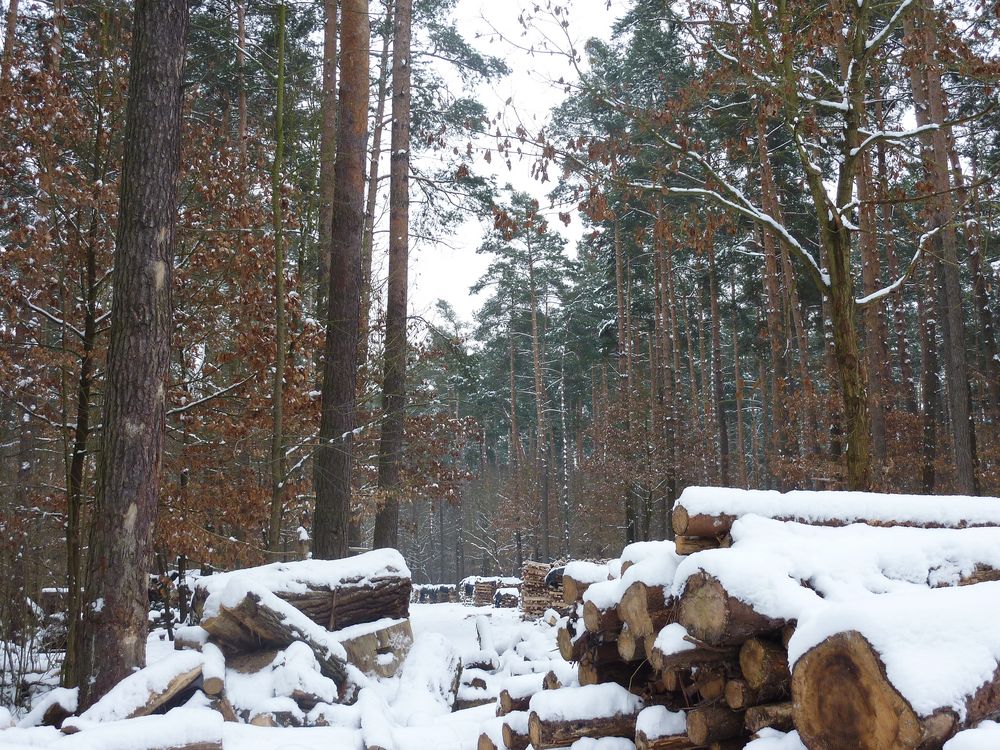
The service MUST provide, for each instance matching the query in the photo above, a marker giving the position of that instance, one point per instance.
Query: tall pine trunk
(332, 470)
(390, 456)
(327, 154)
(280, 326)
(112, 639)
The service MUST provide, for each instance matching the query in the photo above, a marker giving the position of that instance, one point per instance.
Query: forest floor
(414, 723)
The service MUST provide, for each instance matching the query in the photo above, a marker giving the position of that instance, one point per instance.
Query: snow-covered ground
(400, 712)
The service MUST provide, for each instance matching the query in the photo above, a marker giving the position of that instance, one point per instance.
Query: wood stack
(434, 593)
(716, 656)
(485, 587)
(536, 594)
(506, 597)
(703, 517)
(353, 614)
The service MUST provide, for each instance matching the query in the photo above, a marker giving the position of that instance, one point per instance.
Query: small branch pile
(814, 624)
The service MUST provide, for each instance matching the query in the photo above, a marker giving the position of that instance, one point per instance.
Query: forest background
(782, 273)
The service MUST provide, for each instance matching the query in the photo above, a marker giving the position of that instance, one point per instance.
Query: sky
(447, 270)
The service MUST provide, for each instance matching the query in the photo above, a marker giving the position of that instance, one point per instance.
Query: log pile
(506, 597)
(483, 588)
(537, 595)
(434, 593)
(705, 639)
(295, 631)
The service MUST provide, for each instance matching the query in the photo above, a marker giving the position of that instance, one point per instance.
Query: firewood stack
(536, 595)
(485, 587)
(434, 593)
(506, 597)
(294, 630)
(729, 641)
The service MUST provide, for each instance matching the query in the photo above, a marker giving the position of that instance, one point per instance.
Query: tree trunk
(928, 94)
(277, 229)
(10, 36)
(390, 456)
(368, 234)
(327, 154)
(113, 632)
(333, 454)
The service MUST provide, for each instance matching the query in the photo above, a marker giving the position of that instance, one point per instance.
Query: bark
(10, 36)
(368, 234)
(842, 697)
(717, 388)
(564, 732)
(113, 633)
(645, 609)
(710, 614)
(333, 454)
(241, 57)
(930, 109)
(764, 665)
(327, 154)
(541, 429)
(394, 382)
(280, 326)
(929, 379)
(707, 724)
(777, 716)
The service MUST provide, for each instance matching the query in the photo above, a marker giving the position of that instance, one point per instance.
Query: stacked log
(703, 517)
(537, 595)
(483, 588)
(506, 598)
(434, 593)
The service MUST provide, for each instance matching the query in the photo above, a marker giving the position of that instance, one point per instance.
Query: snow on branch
(891, 136)
(898, 283)
(876, 41)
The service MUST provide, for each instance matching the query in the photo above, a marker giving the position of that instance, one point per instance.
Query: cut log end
(843, 699)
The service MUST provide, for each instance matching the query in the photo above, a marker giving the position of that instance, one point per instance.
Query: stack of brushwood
(537, 595)
(295, 631)
(434, 593)
(719, 645)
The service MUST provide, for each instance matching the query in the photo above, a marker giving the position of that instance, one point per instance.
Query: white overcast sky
(446, 271)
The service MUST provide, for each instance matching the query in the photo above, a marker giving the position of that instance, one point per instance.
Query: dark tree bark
(10, 35)
(113, 633)
(333, 454)
(390, 456)
(327, 153)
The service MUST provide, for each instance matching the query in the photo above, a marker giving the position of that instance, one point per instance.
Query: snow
(938, 645)
(586, 702)
(65, 697)
(426, 679)
(238, 587)
(177, 727)
(583, 571)
(134, 691)
(954, 511)
(769, 561)
(671, 640)
(639, 551)
(986, 736)
(302, 575)
(772, 739)
(659, 721)
(603, 743)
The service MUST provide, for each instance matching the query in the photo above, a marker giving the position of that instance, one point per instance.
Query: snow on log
(509, 732)
(245, 617)
(332, 593)
(146, 690)
(657, 728)
(558, 718)
(645, 608)
(377, 647)
(905, 670)
(674, 650)
(636, 552)
(213, 671)
(429, 679)
(711, 511)
(178, 729)
(754, 588)
(50, 709)
(602, 619)
(579, 575)
(517, 692)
